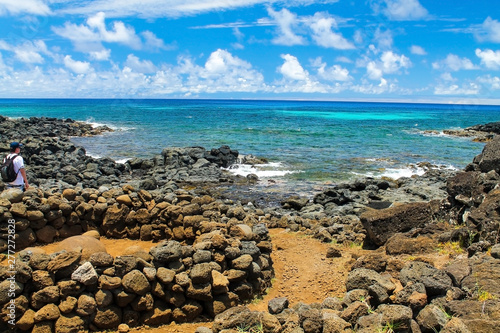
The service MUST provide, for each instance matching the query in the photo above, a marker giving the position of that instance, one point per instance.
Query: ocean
(305, 142)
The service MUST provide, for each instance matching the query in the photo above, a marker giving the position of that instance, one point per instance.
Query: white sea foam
(91, 121)
(396, 173)
(407, 171)
(96, 156)
(122, 161)
(268, 170)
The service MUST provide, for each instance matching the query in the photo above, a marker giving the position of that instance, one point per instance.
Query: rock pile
(212, 257)
(461, 298)
(52, 160)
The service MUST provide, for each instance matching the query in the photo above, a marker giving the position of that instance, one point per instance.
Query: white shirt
(18, 165)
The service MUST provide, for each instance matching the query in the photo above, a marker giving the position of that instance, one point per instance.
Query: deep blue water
(317, 141)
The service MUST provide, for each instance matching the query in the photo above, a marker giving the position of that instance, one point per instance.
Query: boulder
(14, 195)
(48, 312)
(486, 217)
(354, 311)
(70, 324)
(201, 273)
(136, 282)
(46, 234)
(101, 259)
(455, 325)
(25, 238)
(220, 283)
(401, 244)
(362, 278)
(436, 281)
(382, 224)
(495, 251)
(108, 318)
(334, 324)
(489, 159)
(166, 251)
(432, 319)
(27, 320)
(64, 264)
(68, 305)
(277, 305)
(484, 277)
(241, 316)
(395, 314)
(86, 305)
(85, 244)
(85, 274)
(45, 296)
(158, 315)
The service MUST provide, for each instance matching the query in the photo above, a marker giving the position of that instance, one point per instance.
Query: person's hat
(15, 145)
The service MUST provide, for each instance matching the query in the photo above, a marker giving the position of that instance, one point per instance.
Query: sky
(444, 51)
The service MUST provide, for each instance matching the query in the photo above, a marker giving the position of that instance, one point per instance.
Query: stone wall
(210, 256)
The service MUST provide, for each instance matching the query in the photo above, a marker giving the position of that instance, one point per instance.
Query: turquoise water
(306, 141)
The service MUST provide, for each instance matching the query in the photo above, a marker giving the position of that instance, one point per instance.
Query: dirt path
(302, 273)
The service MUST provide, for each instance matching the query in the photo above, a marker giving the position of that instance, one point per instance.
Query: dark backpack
(7, 169)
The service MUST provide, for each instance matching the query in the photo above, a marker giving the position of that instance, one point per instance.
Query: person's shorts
(21, 187)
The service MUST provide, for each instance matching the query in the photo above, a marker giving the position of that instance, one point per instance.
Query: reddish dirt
(302, 273)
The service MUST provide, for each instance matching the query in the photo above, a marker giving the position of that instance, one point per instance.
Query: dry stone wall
(210, 256)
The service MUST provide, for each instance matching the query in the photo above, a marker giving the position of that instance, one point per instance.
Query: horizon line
(465, 102)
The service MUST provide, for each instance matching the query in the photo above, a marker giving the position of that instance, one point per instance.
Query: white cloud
(118, 34)
(101, 55)
(154, 43)
(292, 69)
(21, 7)
(78, 67)
(454, 63)
(489, 58)
(222, 72)
(28, 52)
(454, 89)
(392, 62)
(488, 31)
(344, 59)
(286, 22)
(418, 50)
(383, 39)
(389, 63)
(321, 24)
(144, 66)
(401, 10)
(166, 8)
(375, 89)
(492, 83)
(29, 56)
(334, 73)
(89, 37)
(447, 77)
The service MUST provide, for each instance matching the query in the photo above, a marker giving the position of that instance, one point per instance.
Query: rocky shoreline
(479, 133)
(175, 196)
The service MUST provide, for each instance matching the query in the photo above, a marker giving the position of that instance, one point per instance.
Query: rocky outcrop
(474, 196)
(382, 224)
(53, 160)
(420, 298)
(479, 133)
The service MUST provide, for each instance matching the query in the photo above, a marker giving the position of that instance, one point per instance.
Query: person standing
(21, 180)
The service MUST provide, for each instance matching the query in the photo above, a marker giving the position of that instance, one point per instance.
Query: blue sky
(377, 50)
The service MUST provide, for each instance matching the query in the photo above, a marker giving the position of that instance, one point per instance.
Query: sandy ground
(302, 273)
